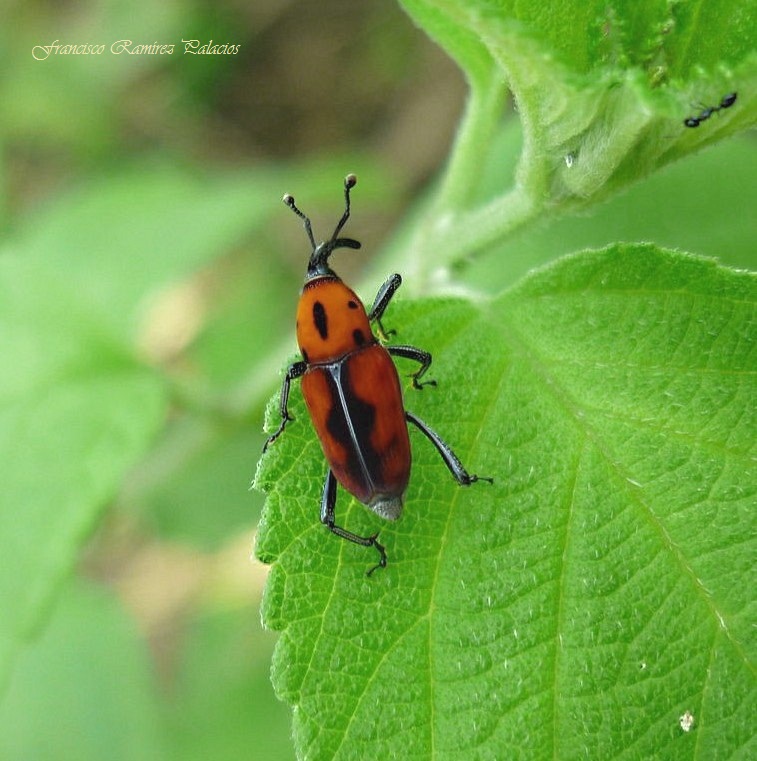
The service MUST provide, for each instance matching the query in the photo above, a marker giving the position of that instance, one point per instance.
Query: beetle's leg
(328, 503)
(423, 357)
(451, 460)
(380, 303)
(295, 370)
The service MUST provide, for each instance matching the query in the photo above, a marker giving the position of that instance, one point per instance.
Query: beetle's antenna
(289, 201)
(319, 257)
(349, 182)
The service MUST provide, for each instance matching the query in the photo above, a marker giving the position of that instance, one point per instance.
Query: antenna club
(288, 200)
(350, 181)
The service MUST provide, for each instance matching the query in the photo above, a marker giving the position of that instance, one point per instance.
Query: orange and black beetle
(352, 389)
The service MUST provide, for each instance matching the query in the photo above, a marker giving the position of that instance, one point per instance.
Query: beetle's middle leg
(420, 356)
(328, 503)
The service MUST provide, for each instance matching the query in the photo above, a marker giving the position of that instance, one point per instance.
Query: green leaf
(76, 411)
(599, 590)
(84, 690)
(602, 90)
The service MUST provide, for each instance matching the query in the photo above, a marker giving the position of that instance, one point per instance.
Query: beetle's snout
(388, 507)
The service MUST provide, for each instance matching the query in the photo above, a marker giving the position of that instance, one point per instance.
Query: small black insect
(726, 102)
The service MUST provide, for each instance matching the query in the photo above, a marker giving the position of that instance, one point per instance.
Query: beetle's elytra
(352, 389)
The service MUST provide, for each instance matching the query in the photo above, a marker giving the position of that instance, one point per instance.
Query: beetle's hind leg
(451, 460)
(328, 503)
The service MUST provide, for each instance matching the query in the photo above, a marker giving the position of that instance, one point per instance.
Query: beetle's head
(318, 265)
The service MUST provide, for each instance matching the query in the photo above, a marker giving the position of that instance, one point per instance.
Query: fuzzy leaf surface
(602, 91)
(603, 88)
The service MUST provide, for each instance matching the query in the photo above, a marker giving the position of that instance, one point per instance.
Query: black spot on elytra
(359, 337)
(319, 318)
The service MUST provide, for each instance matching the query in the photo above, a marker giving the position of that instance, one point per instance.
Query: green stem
(469, 232)
(453, 231)
(483, 113)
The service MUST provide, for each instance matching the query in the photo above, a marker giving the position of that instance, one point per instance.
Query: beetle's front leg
(381, 302)
(328, 503)
(295, 370)
(420, 356)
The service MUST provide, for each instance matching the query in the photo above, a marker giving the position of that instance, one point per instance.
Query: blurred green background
(153, 183)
